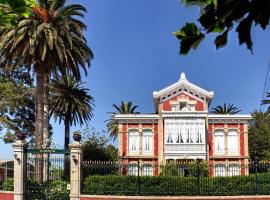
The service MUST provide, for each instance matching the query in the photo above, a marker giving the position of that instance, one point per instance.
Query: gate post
(75, 170)
(19, 147)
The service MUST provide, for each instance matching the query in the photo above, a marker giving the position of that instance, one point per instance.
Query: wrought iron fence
(190, 178)
(6, 174)
(47, 177)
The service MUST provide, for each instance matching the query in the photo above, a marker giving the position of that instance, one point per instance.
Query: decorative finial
(182, 76)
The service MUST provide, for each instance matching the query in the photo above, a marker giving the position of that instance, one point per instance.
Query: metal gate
(47, 174)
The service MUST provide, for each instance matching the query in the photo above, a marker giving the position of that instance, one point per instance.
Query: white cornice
(130, 118)
(215, 118)
(170, 114)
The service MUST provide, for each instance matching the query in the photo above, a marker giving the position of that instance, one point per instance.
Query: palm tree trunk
(46, 131)
(67, 140)
(40, 89)
(67, 133)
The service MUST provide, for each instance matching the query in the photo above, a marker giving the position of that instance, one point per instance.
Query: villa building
(182, 129)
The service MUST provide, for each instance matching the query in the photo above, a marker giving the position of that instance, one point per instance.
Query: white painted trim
(209, 94)
(231, 117)
(135, 116)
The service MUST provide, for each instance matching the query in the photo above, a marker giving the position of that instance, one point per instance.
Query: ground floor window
(220, 170)
(132, 169)
(147, 170)
(233, 170)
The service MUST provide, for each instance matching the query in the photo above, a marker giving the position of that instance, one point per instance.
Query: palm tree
(49, 41)
(12, 11)
(70, 103)
(124, 108)
(226, 109)
(266, 101)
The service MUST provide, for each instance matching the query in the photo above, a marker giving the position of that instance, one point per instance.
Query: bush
(8, 185)
(56, 190)
(177, 185)
(50, 190)
(1, 185)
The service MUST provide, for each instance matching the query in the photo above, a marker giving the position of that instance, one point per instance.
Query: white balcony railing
(184, 148)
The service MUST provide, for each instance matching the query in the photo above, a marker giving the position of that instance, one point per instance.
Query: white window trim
(219, 132)
(233, 151)
(148, 133)
(133, 133)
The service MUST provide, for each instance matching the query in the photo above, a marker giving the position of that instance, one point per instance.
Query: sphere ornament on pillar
(20, 135)
(77, 136)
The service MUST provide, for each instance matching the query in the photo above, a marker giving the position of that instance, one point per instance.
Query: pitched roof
(181, 86)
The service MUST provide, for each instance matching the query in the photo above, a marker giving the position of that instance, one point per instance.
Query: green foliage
(50, 190)
(266, 101)
(8, 185)
(195, 169)
(96, 146)
(220, 17)
(123, 108)
(13, 10)
(175, 185)
(190, 36)
(185, 169)
(226, 109)
(17, 107)
(56, 190)
(70, 103)
(259, 135)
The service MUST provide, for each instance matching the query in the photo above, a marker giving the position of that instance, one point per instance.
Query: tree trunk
(67, 140)
(40, 89)
(46, 131)
(67, 133)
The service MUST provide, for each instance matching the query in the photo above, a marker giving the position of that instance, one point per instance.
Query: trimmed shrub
(177, 185)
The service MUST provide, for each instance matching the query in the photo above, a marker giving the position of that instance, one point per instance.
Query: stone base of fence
(6, 195)
(104, 197)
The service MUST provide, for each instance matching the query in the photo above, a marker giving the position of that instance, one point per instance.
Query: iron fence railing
(189, 178)
(6, 173)
(47, 177)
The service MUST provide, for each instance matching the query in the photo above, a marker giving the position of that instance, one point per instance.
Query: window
(219, 141)
(220, 170)
(183, 106)
(184, 131)
(133, 141)
(232, 142)
(132, 169)
(147, 141)
(234, 170)
(174, 108)
(147, 170)
(192, 107)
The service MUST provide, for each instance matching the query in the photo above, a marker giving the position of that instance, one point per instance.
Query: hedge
(49, 190)
(173, 185)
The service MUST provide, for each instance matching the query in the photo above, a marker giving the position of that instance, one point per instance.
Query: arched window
(219, 141)
(233, 144)
(133, 138)
(147, 141)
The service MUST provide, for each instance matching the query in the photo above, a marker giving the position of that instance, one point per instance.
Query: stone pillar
(75, 170)
(19, 168)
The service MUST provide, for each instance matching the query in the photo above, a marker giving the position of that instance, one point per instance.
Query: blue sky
(136, 53)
